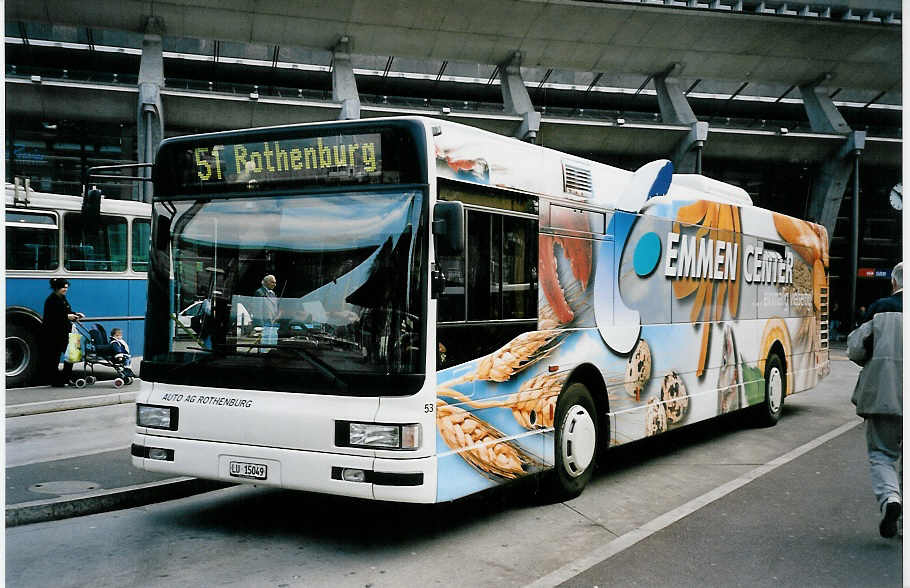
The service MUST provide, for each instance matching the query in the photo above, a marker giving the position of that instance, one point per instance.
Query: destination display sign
(291, 158)
(332, 158)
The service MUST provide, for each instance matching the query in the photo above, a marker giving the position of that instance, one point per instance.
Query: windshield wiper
(218, 352)
(207, 355)
(317, 363)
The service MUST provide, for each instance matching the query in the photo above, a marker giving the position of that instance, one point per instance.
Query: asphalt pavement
(50, 489)
(809, 521)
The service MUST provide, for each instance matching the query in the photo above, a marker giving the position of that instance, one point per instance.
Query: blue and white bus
(449, 309)
(105, 261)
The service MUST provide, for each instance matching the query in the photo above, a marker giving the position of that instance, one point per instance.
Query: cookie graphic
(673, 395)
(638, 369)
(729, 389)
(655, 418)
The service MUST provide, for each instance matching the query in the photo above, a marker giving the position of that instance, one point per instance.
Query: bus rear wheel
(576, 441)
(769, 411)
(21, 356)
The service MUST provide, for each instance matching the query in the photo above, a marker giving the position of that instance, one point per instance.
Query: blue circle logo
(647, 254)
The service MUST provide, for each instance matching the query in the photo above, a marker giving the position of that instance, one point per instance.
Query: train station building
(797, 103)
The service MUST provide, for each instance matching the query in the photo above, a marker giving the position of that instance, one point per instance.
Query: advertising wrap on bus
(678, 303)
(504, 310)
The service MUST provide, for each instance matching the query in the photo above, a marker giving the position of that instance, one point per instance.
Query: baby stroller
(98, 350)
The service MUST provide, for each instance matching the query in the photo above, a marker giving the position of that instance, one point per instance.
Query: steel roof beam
(823, 114)
(515, 98)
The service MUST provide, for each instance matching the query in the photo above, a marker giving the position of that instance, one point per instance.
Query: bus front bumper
(399, 480)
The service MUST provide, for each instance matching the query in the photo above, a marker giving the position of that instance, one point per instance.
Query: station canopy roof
(721, 48)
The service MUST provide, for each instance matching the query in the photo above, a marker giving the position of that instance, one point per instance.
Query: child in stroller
(121, 355)
(114, 353)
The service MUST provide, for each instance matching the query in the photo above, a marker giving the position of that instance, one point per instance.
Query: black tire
(22, 355)
(576, 442)
(769, 411)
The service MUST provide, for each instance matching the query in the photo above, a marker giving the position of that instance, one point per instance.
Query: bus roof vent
(711, 189)
(576, 179)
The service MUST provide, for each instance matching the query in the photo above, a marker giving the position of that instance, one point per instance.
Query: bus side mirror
(163, 233)
(448, 228)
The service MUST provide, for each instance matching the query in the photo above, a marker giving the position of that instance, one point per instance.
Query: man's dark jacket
(893, 303)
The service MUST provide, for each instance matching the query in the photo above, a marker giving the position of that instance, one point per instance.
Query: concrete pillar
(675, 110)
(515, 98)
(150, 113)
(687, 156)
(344, 86)
(831, 184)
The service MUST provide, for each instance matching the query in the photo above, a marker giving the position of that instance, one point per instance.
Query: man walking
(877, 344)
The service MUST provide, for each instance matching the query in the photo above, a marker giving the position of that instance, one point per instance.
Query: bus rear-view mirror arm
(437, 282)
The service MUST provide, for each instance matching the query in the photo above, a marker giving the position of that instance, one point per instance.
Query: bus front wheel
(769, 411)
(575, 444)
(21, 355)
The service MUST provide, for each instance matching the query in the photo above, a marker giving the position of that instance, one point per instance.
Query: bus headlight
(156, 417)
(377, 435)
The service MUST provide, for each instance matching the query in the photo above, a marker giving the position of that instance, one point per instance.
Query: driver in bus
(269, 313)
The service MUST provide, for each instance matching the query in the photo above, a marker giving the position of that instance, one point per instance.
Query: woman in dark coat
(55, 330)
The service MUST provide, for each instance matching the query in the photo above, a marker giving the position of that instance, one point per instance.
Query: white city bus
(454, 309)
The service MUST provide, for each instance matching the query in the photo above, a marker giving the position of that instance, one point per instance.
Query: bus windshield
(303, 293)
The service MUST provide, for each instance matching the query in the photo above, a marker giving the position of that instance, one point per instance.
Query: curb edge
(40, 511)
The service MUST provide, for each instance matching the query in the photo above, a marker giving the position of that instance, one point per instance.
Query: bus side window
(496, 277)
(98, 246)
(142, 231)
(484, 263)
(31, 247)
(519, 268)
(452, 300)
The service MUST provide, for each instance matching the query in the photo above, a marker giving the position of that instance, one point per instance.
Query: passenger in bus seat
(878, 396)
(55, 329)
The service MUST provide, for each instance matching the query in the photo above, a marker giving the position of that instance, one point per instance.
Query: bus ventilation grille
(823, 323)
(576, 180)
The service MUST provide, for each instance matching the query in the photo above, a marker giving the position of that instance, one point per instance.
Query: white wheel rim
(17, 356)
(579, 441)
(775, 389)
